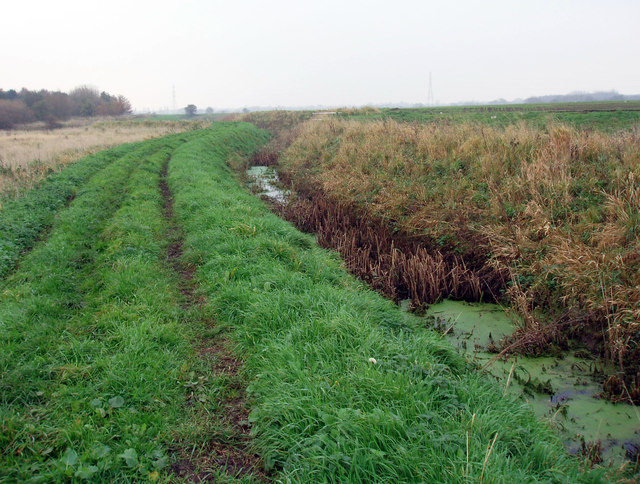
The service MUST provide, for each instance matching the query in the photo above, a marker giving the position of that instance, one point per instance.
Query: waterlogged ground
(562, 390)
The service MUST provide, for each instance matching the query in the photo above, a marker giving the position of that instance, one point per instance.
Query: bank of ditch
(543, 220)
(343, 386)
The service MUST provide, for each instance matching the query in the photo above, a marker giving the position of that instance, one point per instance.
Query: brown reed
(548, 219)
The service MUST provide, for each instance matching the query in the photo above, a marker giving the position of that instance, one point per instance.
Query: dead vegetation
(549, 220)
(397, 265)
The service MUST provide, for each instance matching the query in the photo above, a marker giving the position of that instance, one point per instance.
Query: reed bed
(394, 264)
(555, 211)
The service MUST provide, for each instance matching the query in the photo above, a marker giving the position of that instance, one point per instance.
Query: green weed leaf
(130, 456)
(160, 463)
(86, 472)
(100, 450)
(70, 457)
(116, 402)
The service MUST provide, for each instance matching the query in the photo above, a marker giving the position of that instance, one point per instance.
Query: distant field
(608, 116)
(180, 117)
(28, 155)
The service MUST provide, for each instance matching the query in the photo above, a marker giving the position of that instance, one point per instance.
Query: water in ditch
(562, 390)
(263, 180)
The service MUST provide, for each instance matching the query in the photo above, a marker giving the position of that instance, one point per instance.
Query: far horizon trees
(190, 110)
(53, 106)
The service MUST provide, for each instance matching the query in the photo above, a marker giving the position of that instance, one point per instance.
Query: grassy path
(170, 328)
(89, 335)
(224, 452)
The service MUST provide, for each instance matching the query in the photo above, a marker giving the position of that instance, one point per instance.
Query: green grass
(322, 411)
(23, 220)
(92, 343)
(605, 116)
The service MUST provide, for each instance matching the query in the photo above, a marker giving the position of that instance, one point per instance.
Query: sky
(281, 53)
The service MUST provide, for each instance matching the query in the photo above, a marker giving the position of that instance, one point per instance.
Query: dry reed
(555, 213)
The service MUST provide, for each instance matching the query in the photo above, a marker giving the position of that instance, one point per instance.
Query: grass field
(161, 324)
(603, 116)
(30, 154)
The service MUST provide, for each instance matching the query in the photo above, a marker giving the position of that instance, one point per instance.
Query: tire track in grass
(175, 244)
(43, 314)
(98, 391)
(227, 450)
(27, 221)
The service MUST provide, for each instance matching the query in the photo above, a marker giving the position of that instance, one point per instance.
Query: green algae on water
(563, 390)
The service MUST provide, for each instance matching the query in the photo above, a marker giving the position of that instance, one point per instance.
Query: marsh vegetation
(543, 220)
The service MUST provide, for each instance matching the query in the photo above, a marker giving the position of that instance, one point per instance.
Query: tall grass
(556, 209)
(28, 156)
(283, 126)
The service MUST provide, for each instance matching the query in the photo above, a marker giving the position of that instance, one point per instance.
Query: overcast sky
(342, 53)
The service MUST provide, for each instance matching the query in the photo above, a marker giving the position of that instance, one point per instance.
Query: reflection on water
(264, 181)
(562, 390)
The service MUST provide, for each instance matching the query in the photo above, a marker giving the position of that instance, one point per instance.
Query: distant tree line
(25, 106)
(576, 97)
